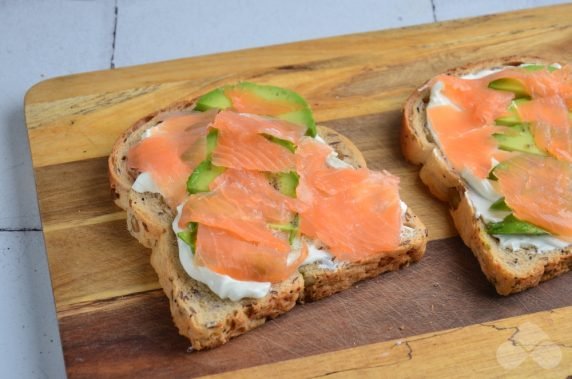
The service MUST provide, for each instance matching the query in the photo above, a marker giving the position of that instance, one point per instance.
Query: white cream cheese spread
(145, 183)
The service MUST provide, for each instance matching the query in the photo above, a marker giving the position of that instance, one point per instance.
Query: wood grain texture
(74, 192)
(107, 294)
(532, 346)
(426, 297)
(98, 261)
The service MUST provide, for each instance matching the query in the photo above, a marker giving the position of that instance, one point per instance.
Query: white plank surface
(38, 40)
(41, 39)
(149, 31)
(29, 343)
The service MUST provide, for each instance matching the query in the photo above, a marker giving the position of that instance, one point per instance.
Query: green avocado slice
(268, 92)
(492, 175)
(512, 225)
(510, 85)
(217, 99)
(288, 182)
(518, 138)
(293, 228)
(512, 118)
(205, 172)
(285, 182)
(295, 232)
(500, 205)
(202, 177)
(282, 142)
(539, 67)
(214, 99)
(301, 117)
(282, 227)
(212, 138)
(189, 235)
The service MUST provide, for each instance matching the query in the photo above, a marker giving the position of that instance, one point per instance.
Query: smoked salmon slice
(552, 126)
(171, 152)
(223, 252)
(233, 235)
(243, 203)
(539, 190)
(474, 97)
(253, 124)
(241, 143)
(360, 218)
(466, 142)
(465, 130)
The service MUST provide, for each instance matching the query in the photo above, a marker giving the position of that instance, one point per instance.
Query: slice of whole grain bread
(509, 271)
(199, 314)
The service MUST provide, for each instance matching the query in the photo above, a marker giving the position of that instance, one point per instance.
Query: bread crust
(199, 314)
(508, 271)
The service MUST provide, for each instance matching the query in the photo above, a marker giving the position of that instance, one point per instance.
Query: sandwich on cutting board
(249, 208)
(494, 140)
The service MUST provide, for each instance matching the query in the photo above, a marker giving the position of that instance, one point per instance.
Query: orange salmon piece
(359, 219)
(240, 143)
(551, 125)
(171, 152)
(465, 142)
(253, 124)
(223, 252)
(252, 152)
(158, 157)
(242, 203)
(475, 98)
(539, 190)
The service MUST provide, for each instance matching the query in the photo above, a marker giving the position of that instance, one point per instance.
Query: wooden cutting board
(436, 315)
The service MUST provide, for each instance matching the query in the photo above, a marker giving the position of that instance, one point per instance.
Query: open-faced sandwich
(249, 208)
(495, 141)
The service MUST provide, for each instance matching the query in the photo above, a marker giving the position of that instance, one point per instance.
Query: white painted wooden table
(40, 39)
